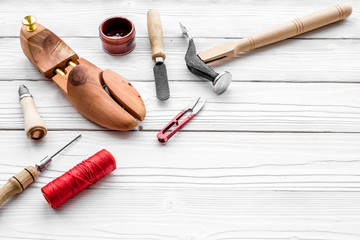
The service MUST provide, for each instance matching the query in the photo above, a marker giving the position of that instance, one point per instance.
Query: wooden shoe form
(84, 83)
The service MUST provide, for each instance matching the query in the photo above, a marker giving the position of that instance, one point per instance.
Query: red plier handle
(163, 136)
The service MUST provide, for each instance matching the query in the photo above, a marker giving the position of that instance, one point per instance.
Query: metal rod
(66, 146)
(71, 63)
(59, 71)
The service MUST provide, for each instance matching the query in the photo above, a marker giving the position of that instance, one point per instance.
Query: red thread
(77, 179)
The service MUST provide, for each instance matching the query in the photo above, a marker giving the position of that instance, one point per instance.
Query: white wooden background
(277, 156)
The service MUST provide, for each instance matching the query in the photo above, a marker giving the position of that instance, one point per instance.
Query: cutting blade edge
(161, 82)
(199, 106)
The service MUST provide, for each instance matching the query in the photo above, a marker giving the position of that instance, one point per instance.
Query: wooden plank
(184, 214)
(287, 161)
(289, 61)
(242, 169)
(203, 18)
(315, 107)
(200, 186)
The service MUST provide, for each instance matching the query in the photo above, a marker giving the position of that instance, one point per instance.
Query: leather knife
(158, 55)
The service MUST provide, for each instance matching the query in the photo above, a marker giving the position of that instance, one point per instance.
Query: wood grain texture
(34, 126)
(245, 168)
(278, 33)
(230, 19)
(45, 50)
(18, 183)
(186, 214)
(86, 93)
(155, 34)
(269, 107)
(192, 160)
(270, 186)
(292, 60)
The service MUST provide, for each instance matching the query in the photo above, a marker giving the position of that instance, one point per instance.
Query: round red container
(117, 35)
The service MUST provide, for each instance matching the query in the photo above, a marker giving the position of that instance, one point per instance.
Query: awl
(18, 183)
(158, 55)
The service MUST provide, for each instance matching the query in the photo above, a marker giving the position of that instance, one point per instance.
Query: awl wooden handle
(155, 33)
(278, 33)
(34, 125)
(18, 183)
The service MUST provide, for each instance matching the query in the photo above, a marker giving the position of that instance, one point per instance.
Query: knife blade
(158, 55)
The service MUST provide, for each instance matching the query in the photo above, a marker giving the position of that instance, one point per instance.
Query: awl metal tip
(23, 90)
(76, 138)
(43, 163)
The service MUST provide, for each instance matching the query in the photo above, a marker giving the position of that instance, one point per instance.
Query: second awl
(158, 55)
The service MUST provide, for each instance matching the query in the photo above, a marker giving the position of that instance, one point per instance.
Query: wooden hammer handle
(18, 183)
(155, 33)
(278, 33)
(294, 27)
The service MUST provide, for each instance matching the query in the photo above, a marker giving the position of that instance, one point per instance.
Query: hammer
(196, 63)
(220, 81)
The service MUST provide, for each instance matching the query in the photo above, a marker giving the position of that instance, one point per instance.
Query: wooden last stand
(82, 82)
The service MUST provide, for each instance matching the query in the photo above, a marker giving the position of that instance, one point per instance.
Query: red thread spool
(77, 179)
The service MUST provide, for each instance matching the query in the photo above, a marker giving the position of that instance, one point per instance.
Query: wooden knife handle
(278, 33)
(155, 33)
(18, 183)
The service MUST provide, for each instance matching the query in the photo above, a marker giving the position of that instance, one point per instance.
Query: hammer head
(220, 81)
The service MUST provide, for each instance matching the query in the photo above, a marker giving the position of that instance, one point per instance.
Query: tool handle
(163, 136)
(34, 125)
(294, 27)
(155, 33)
(16, 184)
(278, 33)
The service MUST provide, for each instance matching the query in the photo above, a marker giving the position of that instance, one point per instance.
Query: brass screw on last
(61, 72)
(30, 22)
